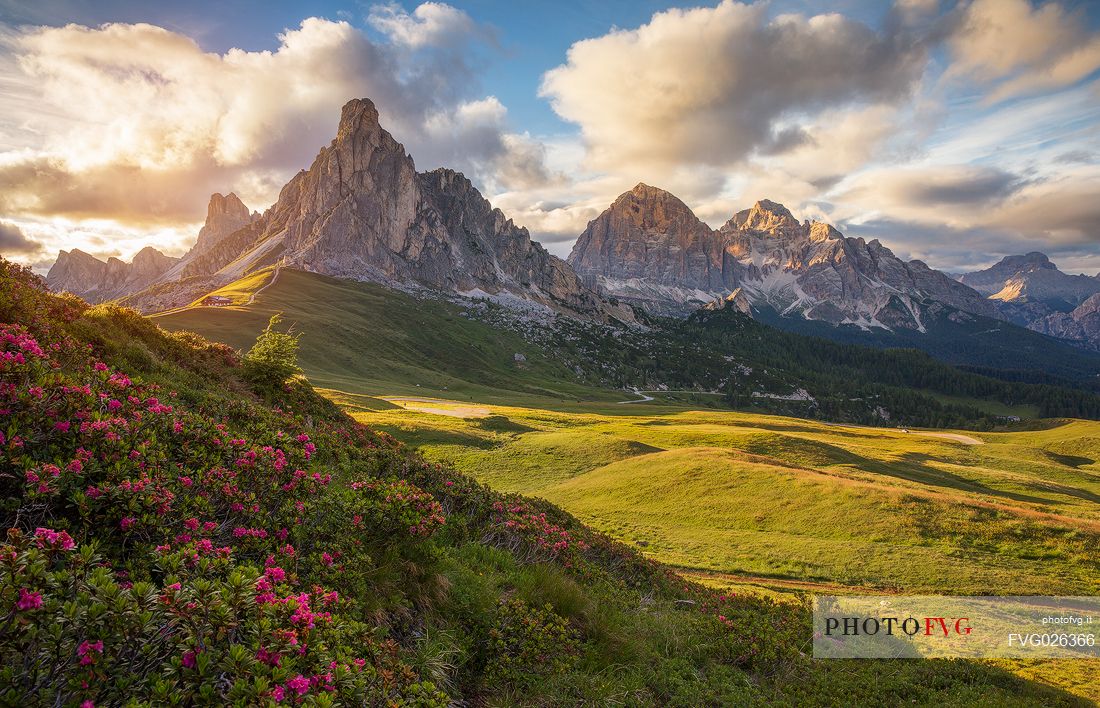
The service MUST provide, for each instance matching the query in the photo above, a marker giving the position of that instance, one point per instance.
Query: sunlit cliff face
(954, 133)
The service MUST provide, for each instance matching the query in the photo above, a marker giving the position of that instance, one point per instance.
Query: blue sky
(533, 36)
(954, 132)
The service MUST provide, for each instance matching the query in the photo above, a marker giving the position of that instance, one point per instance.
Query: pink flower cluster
(55, 540)
(551, 538)
(28, 600)
(89, 651)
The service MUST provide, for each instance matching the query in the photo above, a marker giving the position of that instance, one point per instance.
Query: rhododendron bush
(173, 539)
(159, 547)
(174, 551)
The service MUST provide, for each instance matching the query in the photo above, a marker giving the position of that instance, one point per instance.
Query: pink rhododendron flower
(299, 684)
(28, 600)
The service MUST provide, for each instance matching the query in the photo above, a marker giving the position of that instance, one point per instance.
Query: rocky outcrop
(736, 300)
(1032, 278)
(362, 211)
(649, 234)
(993, 279)
(94, 280)
(649, 248)
(224, 215)
(1082, 325)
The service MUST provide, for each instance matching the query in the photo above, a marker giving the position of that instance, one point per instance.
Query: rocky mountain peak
(765, 217)
(1030, 278)
(774, 209)
(358, 117)
(361, 211)
(648, 233)
(1011, 265)
(148, 264)
(229, 205)
(224, 215)
(76, 256)
(820, 231)
(737, 300)
(83, 274)
(652, 207)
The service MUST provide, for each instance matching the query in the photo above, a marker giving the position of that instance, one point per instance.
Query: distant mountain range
(362, 211)
(1030, 291)
(94, 280)
(649, 248)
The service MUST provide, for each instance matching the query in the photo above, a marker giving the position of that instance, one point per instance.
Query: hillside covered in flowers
(174, 536)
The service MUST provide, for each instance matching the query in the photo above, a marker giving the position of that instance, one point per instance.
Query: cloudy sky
(954, 132)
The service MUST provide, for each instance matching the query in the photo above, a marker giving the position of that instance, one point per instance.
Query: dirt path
(781, 583)
(964, 439)
(644, 398)
(440, 407)
(956, 437)
(268, 284)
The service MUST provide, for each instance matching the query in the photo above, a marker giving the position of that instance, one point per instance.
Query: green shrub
(528, 643)
(273, 358)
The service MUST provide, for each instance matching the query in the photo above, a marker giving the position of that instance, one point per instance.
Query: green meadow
(745, 495)
(733, 497)
(783, 507)
(755, 503)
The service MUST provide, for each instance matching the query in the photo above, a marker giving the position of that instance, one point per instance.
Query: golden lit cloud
(138, 124)
(1027, 48)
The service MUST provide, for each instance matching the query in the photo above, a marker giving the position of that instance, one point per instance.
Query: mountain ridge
(362, 211)
(94, 280)
(1031, 291)
(640, 250)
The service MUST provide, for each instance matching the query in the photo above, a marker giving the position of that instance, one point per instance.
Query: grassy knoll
(759, 495)
(240, 292)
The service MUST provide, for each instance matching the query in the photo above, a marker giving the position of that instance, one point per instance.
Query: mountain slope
(1031, 291)
(1031, 277)
(467, 349)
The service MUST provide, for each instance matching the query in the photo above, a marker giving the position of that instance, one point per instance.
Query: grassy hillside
(745, 494)
(365, 338)
(362, 338)
(781, 507)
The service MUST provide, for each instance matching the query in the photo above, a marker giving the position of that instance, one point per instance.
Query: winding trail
(268, 284)
(644, 398)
